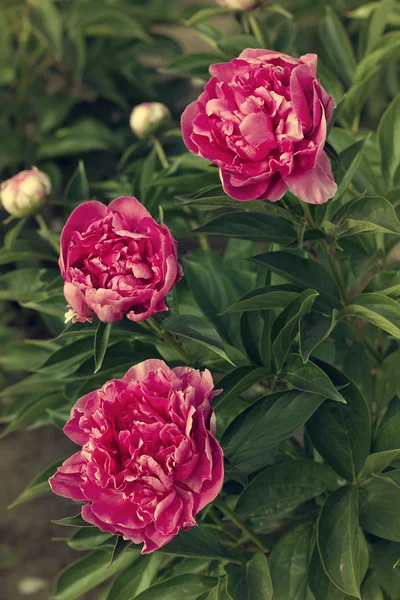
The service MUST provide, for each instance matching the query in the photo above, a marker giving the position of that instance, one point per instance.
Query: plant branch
(166, 337)
(47, 234)
(224, 508)
(160, 152)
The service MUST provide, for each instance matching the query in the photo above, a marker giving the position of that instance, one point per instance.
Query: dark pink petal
(68, 478)
(187, 118)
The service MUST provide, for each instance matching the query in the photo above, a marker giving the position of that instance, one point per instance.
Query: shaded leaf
(309, 378)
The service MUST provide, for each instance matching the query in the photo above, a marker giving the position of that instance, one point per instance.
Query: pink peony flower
(149, 460)
(262, 119)
(116, 261)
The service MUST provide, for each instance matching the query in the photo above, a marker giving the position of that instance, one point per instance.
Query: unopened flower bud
(25, 193)
(148, 118)
(238, 4)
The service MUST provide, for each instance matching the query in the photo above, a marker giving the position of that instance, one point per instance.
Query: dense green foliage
(294, 308)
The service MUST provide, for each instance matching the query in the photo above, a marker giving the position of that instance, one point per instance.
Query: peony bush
(204, 266)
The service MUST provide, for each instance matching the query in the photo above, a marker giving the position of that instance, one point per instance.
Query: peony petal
(187, 118)
(68, 478)
(130, 210)
(140, 371)
(315, 186)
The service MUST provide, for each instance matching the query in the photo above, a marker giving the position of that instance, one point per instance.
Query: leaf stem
(47, 233)
(160, 152)
(168, 338)
(224, 508)
(256, 30)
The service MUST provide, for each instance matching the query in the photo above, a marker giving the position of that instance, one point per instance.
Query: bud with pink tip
(25, 193)
(148, 118)
(238, 4)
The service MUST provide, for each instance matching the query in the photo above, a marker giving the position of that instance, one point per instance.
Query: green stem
(255, 28)
(160, 152)
(47, 233)
(224, 508)
(165, 336)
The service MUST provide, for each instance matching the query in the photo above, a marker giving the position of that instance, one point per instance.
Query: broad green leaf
(89, 538)
(319, 582)
(21, 284)
(136, 578)
(85, 135)
(264, 299)
(309, 378)
(377, 23)
(385, 555)
(377, 462)
(251, 581)
(337, 44)
(276, 492)
(378, 309)
(388, 436)
(392, 477)
(196, 542)
(379, 509)
(260, 227)
(350, 159)
(68, 358)
(371, 590)
(314, 328)
(385, 282)
(77, 188)
(75, 521)
(389, 143)
(387, 382)
(342, 432)
(303, 272)
(366, 215)
(16, 256)
(252, 439)
(38, 486)
(89, 572)
(236, 382)
(30, 413)
(189, 587)
(100, 344)
(196, 329)
(285, 326)
(338, 541)
(289, 562)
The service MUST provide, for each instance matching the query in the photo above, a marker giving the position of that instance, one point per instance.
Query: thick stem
(47, 233)
(160, 152)
(224, 508)
(165, 336)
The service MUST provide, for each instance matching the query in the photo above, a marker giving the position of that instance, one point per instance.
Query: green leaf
(385, 555)
(285, 326)
(39, 486)
(87, 573)
(337, 45)
(30, 413)
(77, 188)
(379, 461)
(309, 378)
(385, 282)
(378, 309)
(12, 235)
(392, 477)
(120, 547)
(193, 64)
(47, 18)
(273, 494)
(233, 45)
(389, 143)
(350, 159)
(68, 358)
(263, 299)
(196, 329)
(8, 257)
(260, 227)
(379, 509)
(319, 582)
(366, 215)
(205, 14)
(342, 432)
(136, 578)
(289, 561)
(236, 382)
(252, 439)
(303, 272)
(85, 135)
(20, 284)
(388, 436)
(197, 541)
(377, 23)
(338, 541)
(75, 521)
(314, 328)
(100, 344)
(189, 587)
(89, 538)
(251, 581)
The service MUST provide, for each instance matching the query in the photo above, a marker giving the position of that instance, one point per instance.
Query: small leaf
(366, 215)
(90, 538)
(379, 461)
(264, 299)
(314, 328)
(251, 581)
(389, 143)
(378, 309)
(379, 509)
(236, 382)
(197, 541)
(39, 486)
(100, 344)
(136, 578)
(189, 587)
(121, 546)
(198, 330)
(193, 65)
(337, 536)
(77, 188)
(75, 521)
(309, 378)
(392, 477)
